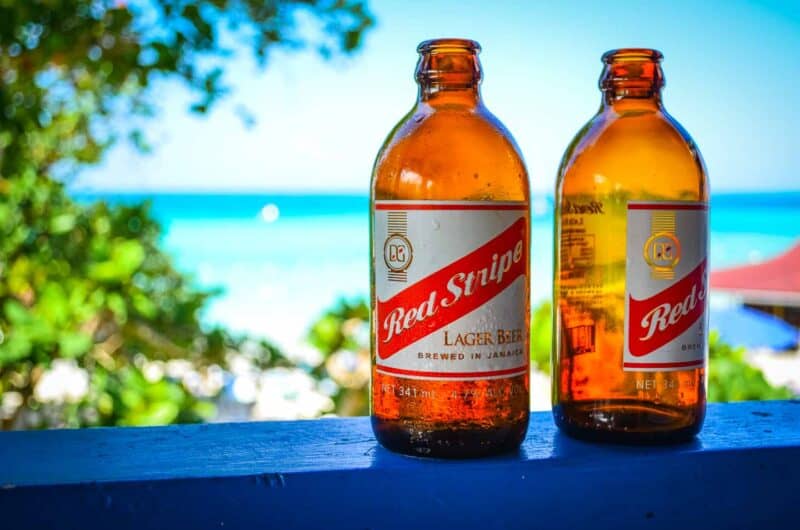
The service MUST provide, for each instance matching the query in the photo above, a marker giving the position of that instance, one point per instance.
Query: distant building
(772, 286)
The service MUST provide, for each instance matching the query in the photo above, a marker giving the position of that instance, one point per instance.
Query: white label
(451, 282)
(666, 322)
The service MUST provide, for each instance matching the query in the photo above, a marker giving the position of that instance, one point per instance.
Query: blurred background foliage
(732, 378)
(97, 327)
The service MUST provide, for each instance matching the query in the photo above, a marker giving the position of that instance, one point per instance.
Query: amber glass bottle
(450, 270)
(630, 331)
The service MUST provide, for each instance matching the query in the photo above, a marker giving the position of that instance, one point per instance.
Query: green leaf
(53, 304)
(542, 336)
(105, 404)
(326, 334)
(5, 212)
(62, 223)
(204, 410)
(144, 305)
(132, 398)
(160, 413)
(15, 348)
(17, 313)
(74, 344)
(126, 257)
(118, 306)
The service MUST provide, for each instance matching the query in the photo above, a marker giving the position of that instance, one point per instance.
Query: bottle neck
(435, 94)
(449, 72)
(623, 102)
(632, 79)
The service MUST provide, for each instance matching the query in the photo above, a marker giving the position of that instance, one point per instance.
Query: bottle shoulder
(641, 152)
(450, 153)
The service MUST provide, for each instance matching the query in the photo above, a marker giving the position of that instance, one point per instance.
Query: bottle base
(628, 422)
(451, 441)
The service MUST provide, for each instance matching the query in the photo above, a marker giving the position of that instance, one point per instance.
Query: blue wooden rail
(742, 472)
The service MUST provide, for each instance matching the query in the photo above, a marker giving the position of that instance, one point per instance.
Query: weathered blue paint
(742, 472)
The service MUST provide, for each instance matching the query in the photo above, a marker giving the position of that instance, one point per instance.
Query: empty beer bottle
(631, 240)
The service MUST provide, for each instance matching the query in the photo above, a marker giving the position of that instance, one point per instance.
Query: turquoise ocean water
(283, 259)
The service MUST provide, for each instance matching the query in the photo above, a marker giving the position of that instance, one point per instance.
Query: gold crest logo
(662, 250)
(397, 250)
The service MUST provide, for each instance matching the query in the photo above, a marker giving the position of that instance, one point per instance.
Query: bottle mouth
(632, 72)
(632, 55)
(449, 64)
(449, 45)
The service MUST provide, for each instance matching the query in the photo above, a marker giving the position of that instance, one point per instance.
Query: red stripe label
(666, 293)
(451, 292)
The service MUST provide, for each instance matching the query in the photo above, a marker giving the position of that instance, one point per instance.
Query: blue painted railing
(743, 471)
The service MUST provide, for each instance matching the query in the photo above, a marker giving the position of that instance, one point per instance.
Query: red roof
(776, 281)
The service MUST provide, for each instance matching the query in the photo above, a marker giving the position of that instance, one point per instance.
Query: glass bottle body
(449, 150)
(631, 152)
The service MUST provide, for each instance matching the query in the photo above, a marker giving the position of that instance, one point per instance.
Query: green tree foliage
(732, 378)
(542, 336)
(71, 68)
(89, 284)
(85, 291)
(342, 336)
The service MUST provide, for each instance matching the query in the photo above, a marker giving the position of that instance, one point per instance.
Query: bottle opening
(448, 65)
(449, 44)
(632, 72)
(632, 55)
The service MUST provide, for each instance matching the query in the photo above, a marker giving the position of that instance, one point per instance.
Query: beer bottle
(631, 242)
(450, 270)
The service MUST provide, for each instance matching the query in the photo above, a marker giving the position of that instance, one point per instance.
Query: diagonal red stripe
(655, 321)
(443, 296)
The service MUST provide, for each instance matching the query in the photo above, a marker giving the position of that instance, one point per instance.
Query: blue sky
(732, 69)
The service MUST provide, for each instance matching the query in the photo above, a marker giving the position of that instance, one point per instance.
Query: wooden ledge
(743, 471)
